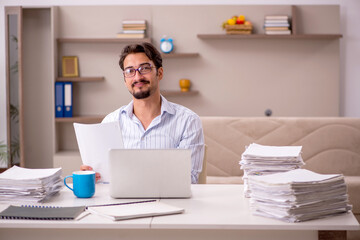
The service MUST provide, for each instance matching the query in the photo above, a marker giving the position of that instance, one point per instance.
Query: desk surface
(211, 207)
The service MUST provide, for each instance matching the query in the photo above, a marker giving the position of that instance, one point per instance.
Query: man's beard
(142, 94)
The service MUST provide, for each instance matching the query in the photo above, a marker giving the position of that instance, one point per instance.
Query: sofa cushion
(224, 180)
(330, 145)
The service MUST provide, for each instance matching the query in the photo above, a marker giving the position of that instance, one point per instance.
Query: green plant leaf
(15, 148)
(14, 113)
(3, 152)
(15, 67)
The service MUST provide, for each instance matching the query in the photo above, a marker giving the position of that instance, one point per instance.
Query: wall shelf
(103, 40)
(295, 34)
(80, 79)
(80, 119)
(179, 55)
(264, 36)
(172, 93)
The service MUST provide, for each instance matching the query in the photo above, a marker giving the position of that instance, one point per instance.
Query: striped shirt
(175, 127)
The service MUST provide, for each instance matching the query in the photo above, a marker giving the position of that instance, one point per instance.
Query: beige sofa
(330, 145)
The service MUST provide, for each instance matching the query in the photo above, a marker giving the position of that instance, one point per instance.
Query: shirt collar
(128, 109)
(165, 107)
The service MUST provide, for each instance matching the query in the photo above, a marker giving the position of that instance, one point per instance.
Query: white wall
(350, 44)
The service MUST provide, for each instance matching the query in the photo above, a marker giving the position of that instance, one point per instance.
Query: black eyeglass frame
(139, 69)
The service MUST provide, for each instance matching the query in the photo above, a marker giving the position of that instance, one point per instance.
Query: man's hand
(88, 168)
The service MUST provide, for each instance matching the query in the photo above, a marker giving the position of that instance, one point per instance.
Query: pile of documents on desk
(263, 160)
(298, 195)
(29, 185)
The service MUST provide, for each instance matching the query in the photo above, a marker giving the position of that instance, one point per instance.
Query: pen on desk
(125, 203)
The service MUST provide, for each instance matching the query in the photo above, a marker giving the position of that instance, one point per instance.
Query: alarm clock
(166, 45)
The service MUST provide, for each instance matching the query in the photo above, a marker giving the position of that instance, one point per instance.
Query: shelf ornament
(237, 25)
(70, 66)
(166, 45)
(184, 85)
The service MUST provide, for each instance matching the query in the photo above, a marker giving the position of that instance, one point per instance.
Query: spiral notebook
(43, 212)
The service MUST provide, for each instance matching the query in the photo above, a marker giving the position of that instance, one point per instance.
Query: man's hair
(150, 51)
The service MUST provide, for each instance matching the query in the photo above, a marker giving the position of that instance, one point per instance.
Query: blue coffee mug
(83, 183)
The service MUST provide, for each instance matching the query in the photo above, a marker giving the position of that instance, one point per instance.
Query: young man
(149, 120)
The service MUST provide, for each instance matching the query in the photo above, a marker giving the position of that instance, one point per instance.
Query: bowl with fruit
(237, 25)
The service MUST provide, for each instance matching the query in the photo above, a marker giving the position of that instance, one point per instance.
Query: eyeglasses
(143, 69)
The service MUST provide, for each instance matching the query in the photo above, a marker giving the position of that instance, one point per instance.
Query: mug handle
(66, 184)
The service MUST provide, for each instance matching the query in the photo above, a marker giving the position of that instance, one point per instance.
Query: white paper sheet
(26, 174)
(272, 152)
(95, 141)
(294, 176)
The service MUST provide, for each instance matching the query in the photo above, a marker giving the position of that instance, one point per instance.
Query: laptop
(150, 173)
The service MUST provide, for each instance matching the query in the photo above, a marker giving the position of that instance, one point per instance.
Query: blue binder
(68, 92)
(59, 99)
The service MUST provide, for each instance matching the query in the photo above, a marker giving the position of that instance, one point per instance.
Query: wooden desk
(214, 212)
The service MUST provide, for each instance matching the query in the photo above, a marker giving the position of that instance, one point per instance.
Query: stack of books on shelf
(277, 25)
(29, 185)
(263, 160)
(298, 195)
(133, 29)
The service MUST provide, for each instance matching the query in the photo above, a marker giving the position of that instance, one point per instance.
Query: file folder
(68, 112)
(59, 99)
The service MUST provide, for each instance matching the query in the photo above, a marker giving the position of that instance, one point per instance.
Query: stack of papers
(29, 185)
(263, 160)
(298, 195)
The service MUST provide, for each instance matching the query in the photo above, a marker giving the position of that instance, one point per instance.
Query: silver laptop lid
(150, 173)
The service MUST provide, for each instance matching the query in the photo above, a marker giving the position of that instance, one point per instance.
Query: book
(134, 22)
(133, 31)
(276, 25)
(276, 17)
(130, 35)
(283, 32)
(128, 25)
(135, 210)
(134, 27)
(276, 28)
(276, 21)
(59, 99)
(68, 109)
(42, 212)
